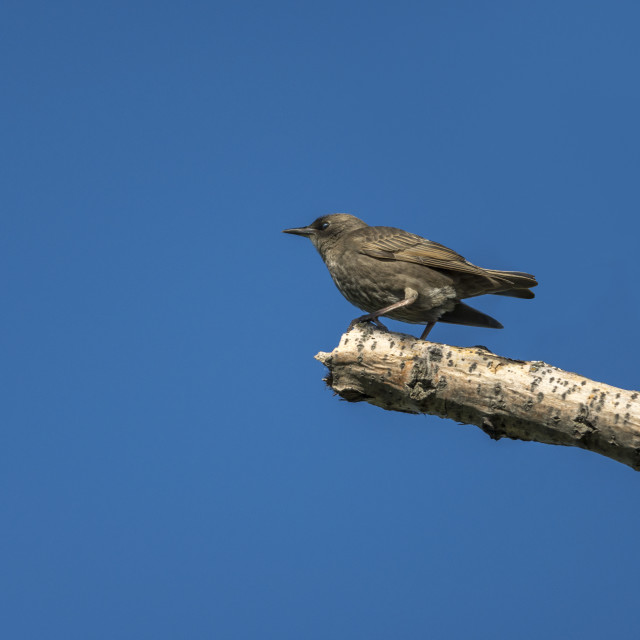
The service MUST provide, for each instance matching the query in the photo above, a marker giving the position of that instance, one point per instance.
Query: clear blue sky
(171, 463)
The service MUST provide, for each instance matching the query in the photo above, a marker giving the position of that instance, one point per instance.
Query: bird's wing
(407, 247)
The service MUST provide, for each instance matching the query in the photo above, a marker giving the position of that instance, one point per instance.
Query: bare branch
(505, 398)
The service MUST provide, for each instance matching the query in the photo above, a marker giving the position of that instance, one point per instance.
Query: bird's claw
(353, 323)
(381, 326)
(367, 318)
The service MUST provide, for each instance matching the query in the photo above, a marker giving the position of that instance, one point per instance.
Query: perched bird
(390, 272)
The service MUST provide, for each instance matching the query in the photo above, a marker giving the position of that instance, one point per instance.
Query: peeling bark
(505, 398)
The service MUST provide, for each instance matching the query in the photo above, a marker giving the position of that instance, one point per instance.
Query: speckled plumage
(377, 267)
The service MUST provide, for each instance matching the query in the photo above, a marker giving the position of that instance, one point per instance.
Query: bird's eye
(323, 226)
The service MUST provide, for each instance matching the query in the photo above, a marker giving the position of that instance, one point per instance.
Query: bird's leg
(411, 297)
(428, 328)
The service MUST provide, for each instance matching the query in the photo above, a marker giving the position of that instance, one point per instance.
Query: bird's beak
(300, 231)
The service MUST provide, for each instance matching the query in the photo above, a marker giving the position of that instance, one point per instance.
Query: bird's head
(326, 230)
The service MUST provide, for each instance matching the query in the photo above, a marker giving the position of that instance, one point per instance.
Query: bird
(392, 273)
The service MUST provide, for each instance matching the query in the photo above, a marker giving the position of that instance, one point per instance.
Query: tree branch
(505, 398)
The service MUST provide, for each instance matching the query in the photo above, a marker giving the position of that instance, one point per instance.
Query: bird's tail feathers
(516, 279)
(516, 293)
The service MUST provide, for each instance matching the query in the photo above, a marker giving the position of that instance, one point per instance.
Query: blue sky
(171, 464)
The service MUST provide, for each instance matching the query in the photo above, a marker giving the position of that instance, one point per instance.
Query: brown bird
(392, 273)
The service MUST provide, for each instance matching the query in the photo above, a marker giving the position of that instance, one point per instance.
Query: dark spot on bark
(352, 395)
(481, 346)
(488, 427)
(420, 390)
(584, 427)
(473, 367)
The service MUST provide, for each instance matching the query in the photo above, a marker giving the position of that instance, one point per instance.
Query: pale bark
(505, 398)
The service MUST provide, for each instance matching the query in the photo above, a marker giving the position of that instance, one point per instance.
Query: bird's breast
(371, 284)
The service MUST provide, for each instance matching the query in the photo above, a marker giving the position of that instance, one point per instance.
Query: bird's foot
(368, 318)
(380, 325)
